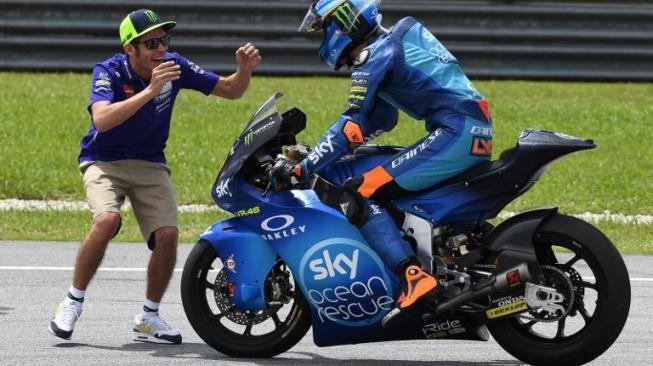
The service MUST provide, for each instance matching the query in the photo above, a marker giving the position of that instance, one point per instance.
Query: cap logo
(151, 16)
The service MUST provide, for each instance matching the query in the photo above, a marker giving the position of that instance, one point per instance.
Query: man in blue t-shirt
(132, 96)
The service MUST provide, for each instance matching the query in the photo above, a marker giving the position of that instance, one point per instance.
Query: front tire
(600, 289)
(205, 294)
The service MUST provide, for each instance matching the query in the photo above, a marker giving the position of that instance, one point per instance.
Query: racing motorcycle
(550, 288)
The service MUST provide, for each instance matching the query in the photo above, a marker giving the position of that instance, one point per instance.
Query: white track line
(55, 205)
(134, 269)
(102, 269)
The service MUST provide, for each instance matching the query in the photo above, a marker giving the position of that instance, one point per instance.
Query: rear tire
(206, 300)
(524, 336)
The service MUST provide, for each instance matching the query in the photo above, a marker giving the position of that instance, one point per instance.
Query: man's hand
(248, 58)
(162, 74)
(234, 86)
(108, 115)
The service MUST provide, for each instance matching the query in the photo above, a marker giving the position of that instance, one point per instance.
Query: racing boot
(418, 285)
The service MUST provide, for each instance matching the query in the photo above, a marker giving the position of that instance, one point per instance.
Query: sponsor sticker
(346, 282)
(253, 134)
(222, 188)
(511, 308)
(358, 91)
(102, 83)
(373, 135)
(346, 15)
(443, 329)
(249, 211)
(195, 68)
(164, 99)
(230, 264)
(281, 227)
(481, 146)
(322, 148)
(513, 278)
(411, 153)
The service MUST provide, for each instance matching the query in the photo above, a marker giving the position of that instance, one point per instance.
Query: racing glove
(287, 170)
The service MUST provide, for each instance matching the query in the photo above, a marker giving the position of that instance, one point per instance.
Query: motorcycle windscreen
(262, 127)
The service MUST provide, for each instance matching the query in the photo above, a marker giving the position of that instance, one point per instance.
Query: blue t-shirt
(142, 136)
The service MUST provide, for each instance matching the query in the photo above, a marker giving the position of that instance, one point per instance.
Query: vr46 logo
(250, 211)
(326, 267)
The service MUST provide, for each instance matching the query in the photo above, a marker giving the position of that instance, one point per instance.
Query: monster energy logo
(151, 16)
(248, 138)
(250, 135)
(346, 15)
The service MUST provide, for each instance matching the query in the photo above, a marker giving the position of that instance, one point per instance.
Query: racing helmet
(346, 23)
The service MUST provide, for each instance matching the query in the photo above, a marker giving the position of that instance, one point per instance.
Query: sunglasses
(153, 43)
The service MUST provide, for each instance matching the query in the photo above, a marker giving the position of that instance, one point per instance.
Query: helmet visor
(312, 21)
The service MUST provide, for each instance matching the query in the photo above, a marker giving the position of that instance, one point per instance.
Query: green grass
(55, 225)
(43, 117)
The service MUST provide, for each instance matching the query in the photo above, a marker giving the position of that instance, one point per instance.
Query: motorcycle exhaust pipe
(512, 277)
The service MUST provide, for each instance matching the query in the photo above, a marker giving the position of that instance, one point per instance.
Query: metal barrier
(584, 40)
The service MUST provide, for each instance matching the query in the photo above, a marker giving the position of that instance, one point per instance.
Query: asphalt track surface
(34, 277)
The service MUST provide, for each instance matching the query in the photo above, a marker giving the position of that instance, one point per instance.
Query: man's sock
(150, 308)
(76, 294)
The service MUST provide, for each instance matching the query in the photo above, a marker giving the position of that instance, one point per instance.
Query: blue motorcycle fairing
(455, 204)
(346, 284)
(234, 242)
(343, 279)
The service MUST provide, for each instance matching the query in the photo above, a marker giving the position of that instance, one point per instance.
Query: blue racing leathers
(406, 68)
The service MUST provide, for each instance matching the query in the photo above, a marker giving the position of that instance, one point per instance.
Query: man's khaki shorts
(147, 184)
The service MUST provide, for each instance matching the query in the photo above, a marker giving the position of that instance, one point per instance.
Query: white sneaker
(154, 329)
(65, 316)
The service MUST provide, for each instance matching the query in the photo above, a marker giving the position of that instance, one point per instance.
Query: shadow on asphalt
(5, 310)
(199, 351)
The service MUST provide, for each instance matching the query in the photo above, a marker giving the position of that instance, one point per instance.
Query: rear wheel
(206, 296)
(582, 264)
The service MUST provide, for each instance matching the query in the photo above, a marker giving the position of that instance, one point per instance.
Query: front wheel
(580, 262)
(206, 295)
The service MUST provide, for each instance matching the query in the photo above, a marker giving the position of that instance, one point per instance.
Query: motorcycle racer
(403, 68)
